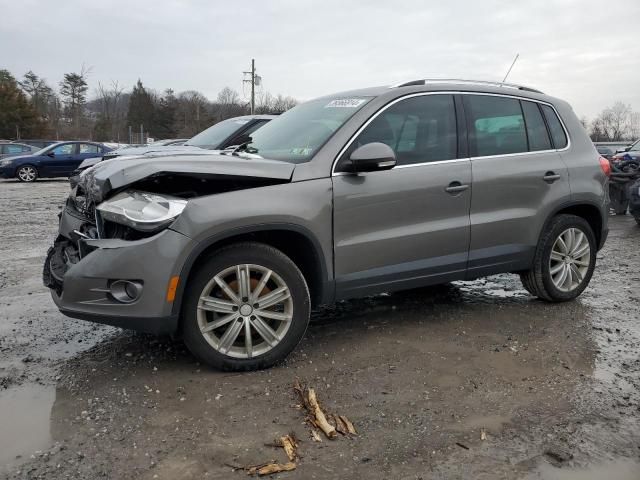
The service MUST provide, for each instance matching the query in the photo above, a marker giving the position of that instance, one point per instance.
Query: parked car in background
(57, 160)
(37, 143)
(12, 149)
(630, 153)
(605, 151)
(233, 131)
(348, 195)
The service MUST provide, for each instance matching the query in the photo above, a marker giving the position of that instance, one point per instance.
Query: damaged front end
(114, 228)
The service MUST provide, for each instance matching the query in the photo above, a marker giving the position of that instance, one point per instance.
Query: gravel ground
(554, 388)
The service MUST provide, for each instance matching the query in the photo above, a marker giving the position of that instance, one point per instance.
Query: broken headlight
(146, 212)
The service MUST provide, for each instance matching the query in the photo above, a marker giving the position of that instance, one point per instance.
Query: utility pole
(141, 134)
(253, 86)
(254, 80)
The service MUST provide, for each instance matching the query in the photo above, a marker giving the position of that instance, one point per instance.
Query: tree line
(616, 123)
(31, 108)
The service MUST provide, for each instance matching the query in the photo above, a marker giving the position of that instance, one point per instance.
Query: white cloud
(583, 51)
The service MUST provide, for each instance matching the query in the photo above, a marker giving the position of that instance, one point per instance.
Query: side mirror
(51, 154)
(372, 157)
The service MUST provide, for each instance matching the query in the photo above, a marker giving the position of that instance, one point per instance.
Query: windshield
(295, 136)
(212, 137)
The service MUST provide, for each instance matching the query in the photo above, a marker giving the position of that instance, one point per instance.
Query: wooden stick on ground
(290, 447)
(272, 468)
(328, 429)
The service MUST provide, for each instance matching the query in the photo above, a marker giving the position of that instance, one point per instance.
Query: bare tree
(616, 123)
(192, 113)
(111, 113)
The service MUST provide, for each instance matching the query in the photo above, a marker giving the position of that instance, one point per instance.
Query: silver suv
(352, 194)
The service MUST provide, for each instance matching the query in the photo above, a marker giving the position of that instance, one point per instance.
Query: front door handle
(456, 187)
(551, 177)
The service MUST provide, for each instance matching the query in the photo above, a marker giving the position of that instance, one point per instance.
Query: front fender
(302, 207)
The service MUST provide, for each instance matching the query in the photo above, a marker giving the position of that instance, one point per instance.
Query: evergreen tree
(165, 115)
(17, 114)
(73, 89)
(142, 110)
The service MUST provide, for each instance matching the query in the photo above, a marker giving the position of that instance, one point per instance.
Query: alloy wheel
(570, 259)
(27, 173)
(245, 310)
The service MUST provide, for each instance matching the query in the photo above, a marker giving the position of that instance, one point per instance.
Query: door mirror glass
(372, 157)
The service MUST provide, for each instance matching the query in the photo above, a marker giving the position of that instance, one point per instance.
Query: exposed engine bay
(133, 200)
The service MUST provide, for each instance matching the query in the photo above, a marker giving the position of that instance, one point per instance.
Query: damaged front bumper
(85, 274)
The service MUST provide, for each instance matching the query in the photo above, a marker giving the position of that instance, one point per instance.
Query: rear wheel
(27, 173)
(246, 308)
(564, 260)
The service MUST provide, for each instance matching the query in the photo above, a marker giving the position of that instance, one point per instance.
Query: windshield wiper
(242, 147)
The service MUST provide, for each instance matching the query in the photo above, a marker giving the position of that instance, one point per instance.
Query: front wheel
(564, 260)
(246, 308)
(27, 173)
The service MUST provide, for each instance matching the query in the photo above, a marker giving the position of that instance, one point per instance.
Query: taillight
(606, 166)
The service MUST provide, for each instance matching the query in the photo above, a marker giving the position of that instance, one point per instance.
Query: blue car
(57, 160)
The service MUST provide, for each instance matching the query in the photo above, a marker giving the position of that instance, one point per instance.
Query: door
(518, 180)
(408, 226)
(55, 162)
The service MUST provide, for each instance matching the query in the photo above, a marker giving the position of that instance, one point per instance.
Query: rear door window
(496, 125)
(555, 127)
(536, 128)
(89, 148)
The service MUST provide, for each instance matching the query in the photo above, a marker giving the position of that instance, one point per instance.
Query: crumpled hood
(150, 149)
(119, 172)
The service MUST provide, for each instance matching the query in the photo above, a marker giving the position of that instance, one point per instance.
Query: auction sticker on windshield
(345, 103)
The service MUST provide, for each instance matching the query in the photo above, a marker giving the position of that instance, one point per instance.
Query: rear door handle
(456, 187)
(551, 177)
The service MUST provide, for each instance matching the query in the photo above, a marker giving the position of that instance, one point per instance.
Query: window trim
(454, 93)
(546, 122)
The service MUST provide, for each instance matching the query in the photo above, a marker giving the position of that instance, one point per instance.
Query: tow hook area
(60, 258)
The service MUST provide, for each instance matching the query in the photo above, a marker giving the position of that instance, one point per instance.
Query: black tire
(27, 178)
(237, 254)
(538, 281)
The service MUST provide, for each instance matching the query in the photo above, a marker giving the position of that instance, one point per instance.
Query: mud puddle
(623, 469)
(25, 418)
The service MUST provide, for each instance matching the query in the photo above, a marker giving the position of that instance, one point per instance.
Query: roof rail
(424, 81)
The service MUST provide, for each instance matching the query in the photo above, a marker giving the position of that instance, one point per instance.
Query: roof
(457, 85)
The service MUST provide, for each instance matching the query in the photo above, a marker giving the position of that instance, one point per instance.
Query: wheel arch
(591, 212)
(295, 241)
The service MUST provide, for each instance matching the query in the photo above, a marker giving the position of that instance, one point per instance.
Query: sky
(586, 52)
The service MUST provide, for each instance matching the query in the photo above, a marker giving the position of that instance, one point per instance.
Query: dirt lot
(421, 374)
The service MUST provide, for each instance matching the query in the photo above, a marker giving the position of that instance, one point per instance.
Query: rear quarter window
(536, 128)
(555, 127)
